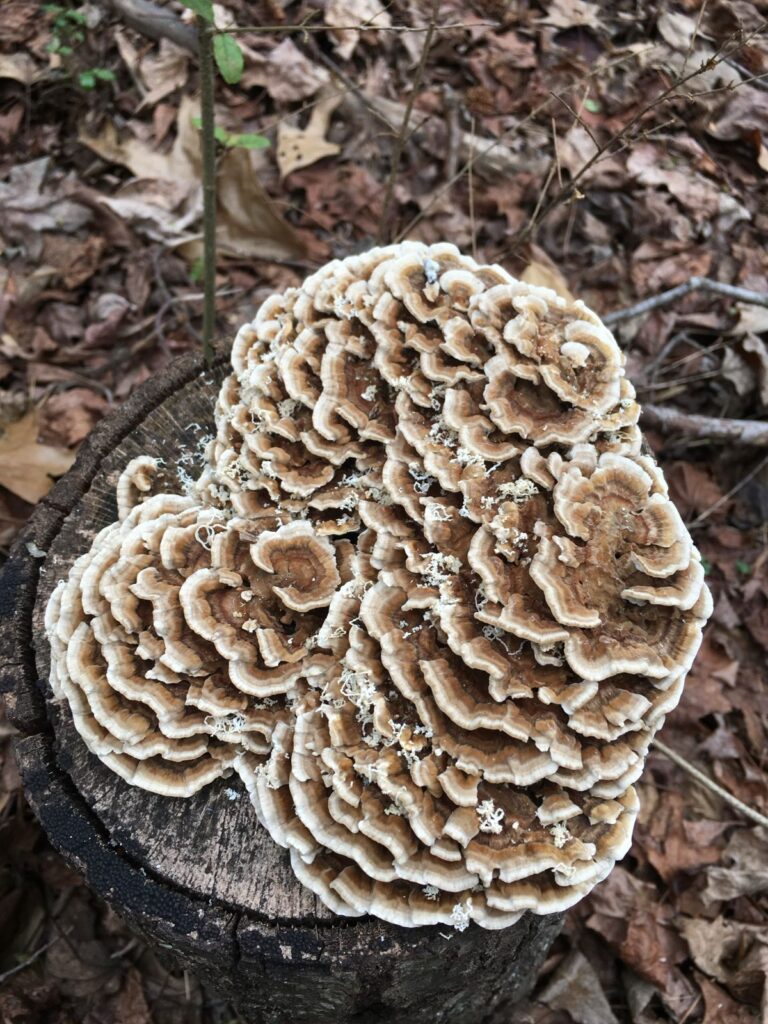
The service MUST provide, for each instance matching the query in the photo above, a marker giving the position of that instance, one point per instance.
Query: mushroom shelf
(419, 612)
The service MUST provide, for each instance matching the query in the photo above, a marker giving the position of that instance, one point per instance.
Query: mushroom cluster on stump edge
(429, 598)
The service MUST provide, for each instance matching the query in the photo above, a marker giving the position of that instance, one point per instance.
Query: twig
(569, 191)
(364, 26)
(727, 497)
(707, 428)
(29, 960)
(400, 141)
(208, 154)
(710, 784)
(471, 187)
(702, 284)
(484, 155)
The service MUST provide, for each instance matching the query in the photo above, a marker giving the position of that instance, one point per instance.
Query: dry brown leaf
(163, 72)
(575, 987)
(353, 12)
(649, 166)
(29, 205)
(26, 467)
(567, 13)
(19, 67)
(748, 875)
(546, 276)
(300, 147)
(284, 72)
(721, 1009)
(248, 223)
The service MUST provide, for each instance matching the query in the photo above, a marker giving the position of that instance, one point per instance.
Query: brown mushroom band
(429, 599)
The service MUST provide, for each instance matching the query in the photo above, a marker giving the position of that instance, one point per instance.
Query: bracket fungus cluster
(429, 597)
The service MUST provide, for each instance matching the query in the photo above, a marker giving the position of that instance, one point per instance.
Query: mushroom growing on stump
(524, 600)
(428, 599)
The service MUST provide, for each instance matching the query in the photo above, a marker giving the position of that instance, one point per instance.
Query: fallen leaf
(575, 987)
(736, 370)
(546, 275)
(721, 1009)
(248, 223)
(29, 206)
(70, 415)
(130, 1004)
(755, 346)
(19, 67)
(568, 13)
(75, 261)
(700, 196)
(730, 952)
(352, 12)
(163, 72)
(26, 467)
(300, 147)
(284, 72)
(168, 199)
(693, 489)
(748, 874)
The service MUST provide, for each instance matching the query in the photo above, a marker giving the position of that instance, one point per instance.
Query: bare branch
(710, 784)
(400, 141)
(702, 284)
(569, 191)
(705, 428)
(727, 497)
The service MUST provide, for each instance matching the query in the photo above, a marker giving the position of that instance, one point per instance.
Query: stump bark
(199, 877)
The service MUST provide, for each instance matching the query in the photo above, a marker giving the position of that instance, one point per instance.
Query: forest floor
(611, 149)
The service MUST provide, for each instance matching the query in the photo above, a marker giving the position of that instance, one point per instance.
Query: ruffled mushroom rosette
(176, 637)
(479, 602)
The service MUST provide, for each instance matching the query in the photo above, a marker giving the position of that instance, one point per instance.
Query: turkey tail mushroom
(430, 572)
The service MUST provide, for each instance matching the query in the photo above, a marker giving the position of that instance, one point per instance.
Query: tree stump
(199, 877)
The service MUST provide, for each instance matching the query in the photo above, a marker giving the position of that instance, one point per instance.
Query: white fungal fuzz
(360, 690)
(518, 490)
(226, 725)
(440, 567)
(370, 393)
(431, 270)
(469, 458)
(460, 916)
(287, 407)
(421, 481)
(431, 892)
(491, 817)
(435, 513)
(560, 834)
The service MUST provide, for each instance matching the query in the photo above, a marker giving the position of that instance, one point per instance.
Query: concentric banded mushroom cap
(482, 601)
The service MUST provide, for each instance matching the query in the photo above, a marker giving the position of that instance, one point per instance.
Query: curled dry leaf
(27, 468)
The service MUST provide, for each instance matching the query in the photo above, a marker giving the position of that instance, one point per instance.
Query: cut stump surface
(199, 876)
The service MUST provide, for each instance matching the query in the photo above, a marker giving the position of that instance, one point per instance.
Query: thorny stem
(403, 133)
(208, 152)
(710, 784)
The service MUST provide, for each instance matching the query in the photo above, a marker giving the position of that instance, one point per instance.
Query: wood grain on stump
(199, 877)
